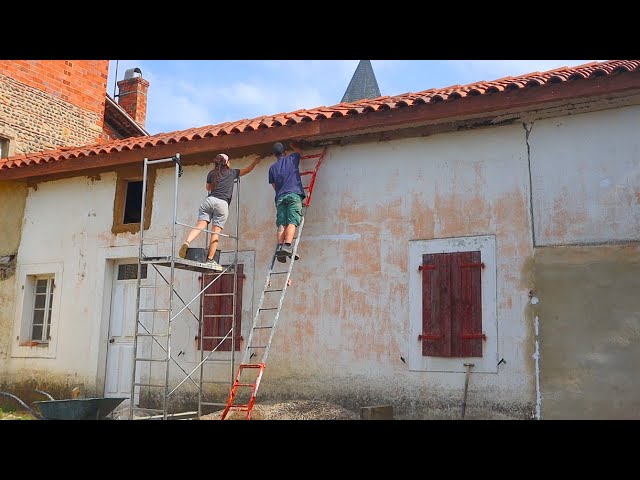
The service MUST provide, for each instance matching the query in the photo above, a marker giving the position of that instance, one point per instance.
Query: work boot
(280, 255)
(212, 264)
(183, 250)
(288, 251)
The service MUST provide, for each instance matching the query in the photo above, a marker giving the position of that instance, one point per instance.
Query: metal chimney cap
(131, 73)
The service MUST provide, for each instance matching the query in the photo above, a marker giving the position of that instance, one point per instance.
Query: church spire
(363, 84)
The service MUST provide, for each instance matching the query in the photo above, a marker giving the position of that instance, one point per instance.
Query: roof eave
(390, 119)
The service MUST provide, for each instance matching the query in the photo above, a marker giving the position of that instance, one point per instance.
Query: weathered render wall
(586, 198)
(589, 316)
(347, 319)
(12, 198)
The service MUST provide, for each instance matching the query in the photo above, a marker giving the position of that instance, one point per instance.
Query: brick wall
(82, 83)
(52, 103)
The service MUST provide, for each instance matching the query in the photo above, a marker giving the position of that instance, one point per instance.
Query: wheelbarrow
(71, 409)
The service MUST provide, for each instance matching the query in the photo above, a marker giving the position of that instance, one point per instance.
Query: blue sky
(193, 93)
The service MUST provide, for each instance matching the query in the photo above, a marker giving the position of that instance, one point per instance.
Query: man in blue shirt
(284, 176)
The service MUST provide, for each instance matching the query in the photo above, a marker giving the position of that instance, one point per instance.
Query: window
(39, 289)
(127, 208)
(129, 271)
(7, 141)
(217, 310)
(42, 304)
(133, 202)
(453, 305)
(4, 147)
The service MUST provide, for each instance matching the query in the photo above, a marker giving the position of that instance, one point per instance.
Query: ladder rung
(277, 290)
(257, 346)
(278, 273)
(269, 308)
(243, 408)
(262, 326)
(244, 384)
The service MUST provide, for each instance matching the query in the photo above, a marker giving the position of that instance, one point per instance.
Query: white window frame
(23, 345)
(46, 308)
(488, 363)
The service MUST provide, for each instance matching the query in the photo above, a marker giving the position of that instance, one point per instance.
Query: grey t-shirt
(224, 188)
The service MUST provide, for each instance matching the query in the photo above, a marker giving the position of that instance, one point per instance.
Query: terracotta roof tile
(361, 107)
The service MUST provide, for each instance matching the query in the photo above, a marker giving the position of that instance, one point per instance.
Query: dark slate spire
(363, 84)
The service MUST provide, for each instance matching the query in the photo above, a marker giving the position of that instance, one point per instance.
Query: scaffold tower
(157, 372)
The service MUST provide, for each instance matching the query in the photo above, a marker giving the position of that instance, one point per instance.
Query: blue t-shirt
(285, 174)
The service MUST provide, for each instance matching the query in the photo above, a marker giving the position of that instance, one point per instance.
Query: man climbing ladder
(291, 217)
(284, 177)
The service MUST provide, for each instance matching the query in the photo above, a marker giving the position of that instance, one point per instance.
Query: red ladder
(266, 318)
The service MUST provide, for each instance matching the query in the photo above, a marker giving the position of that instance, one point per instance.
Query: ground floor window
(452, 304)
(41, 309)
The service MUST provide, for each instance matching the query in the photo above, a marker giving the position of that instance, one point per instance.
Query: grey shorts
(214, 210)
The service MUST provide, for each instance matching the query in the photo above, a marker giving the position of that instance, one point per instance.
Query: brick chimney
(132, 95)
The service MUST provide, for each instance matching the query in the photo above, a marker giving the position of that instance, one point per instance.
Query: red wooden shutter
(466, 325)
(452, 305)
(222, 305)
(436, 305)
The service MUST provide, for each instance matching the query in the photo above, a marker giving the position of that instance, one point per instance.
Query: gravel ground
(292, 410)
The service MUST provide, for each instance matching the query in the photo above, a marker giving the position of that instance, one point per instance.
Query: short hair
(278, 148)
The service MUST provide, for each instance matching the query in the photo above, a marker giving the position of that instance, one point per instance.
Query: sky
(186, 94)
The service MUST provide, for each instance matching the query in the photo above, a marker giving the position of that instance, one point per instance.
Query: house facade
(491, 229)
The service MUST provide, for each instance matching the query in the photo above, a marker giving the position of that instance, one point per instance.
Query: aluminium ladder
(266, 317)
(154, 324)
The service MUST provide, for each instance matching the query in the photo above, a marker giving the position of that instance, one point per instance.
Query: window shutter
(436, 305)
(222, 305)
(466, 276)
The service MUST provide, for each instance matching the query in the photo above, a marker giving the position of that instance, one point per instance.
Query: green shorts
(289, 210)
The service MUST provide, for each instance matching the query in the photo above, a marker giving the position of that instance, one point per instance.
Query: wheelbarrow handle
(42, 392)
(35, 414)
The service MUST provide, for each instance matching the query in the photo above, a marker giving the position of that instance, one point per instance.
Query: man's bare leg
(214, 241)
(193, 234)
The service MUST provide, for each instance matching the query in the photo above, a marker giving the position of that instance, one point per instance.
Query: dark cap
(278, 148)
